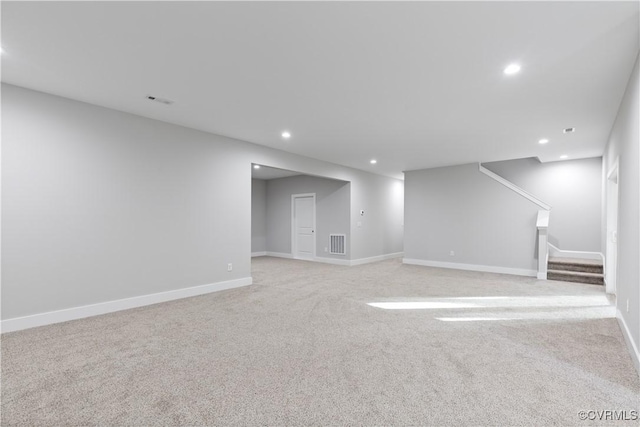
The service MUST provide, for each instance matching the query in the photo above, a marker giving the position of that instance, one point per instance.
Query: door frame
(293, 223)
(612, 206)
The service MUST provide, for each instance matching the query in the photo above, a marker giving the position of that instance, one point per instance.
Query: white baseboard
(472, 267)
(377, 258)
(633, 348)
(333, 261)
(345, 262)
(561, 253)
(255, 254)
(317, 259)
(81, 312)
(279, 255)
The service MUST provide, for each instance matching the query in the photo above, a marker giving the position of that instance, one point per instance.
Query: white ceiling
(267, 173)
(412, 84)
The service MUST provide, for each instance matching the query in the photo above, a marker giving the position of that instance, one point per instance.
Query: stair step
(576, 276)
(575, 260)
(577, 265)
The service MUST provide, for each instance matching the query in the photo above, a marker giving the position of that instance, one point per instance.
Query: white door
(611, 260)
(303, 226)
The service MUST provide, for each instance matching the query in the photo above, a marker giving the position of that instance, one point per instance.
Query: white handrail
(542, 223)
(513, 187)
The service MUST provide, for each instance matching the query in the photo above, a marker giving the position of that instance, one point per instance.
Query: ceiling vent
(569, 130)
(160, 100)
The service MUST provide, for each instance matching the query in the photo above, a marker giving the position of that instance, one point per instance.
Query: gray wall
(99, 205)
(574, 190)
(459, 209)
(332, 211)
(380, 230)
(623, 144)
(258, 215)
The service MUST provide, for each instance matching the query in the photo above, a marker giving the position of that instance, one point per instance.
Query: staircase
(575, 270)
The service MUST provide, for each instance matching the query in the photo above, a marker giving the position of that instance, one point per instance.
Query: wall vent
(160, 100)
(338, 244)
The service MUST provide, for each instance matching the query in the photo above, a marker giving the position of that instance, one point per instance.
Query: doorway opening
(295, 215)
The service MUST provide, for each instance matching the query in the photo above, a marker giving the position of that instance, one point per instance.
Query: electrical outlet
(627, 305)
(452, 253)
(229, 267)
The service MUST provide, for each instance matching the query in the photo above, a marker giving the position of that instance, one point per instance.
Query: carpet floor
(315, 344)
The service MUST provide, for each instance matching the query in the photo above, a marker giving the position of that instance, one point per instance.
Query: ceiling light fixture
(543, 141)
(512, 69)
(373, 161)
(568, 130)
(256, 166)
(286, 134)
(564, 156)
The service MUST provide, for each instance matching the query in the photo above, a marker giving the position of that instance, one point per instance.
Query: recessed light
(373, 161)
(512, 69)
(564, 156)
(256, 166)
(286, 134)
(568, 130)
(543, 141)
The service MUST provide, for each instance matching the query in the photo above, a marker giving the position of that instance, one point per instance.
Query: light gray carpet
(303, 347)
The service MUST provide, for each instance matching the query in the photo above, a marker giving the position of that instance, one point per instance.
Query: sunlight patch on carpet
(497, 302)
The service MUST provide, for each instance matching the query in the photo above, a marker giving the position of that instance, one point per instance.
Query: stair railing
(542, 223)
(510, 185)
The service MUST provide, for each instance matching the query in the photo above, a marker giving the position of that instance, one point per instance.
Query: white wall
(258, 215)
(100, 205)
(332, 211)
(459, 209)
(574, 190)
(624, 144)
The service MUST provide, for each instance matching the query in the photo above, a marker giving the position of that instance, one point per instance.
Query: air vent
(337, 244)
(569, 130)
(160, 100)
